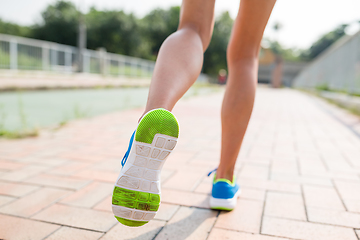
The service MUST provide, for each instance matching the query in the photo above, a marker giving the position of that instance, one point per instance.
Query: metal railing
(18, 53)
(338, 68)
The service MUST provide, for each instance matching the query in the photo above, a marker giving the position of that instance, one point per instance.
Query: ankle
(225, 173)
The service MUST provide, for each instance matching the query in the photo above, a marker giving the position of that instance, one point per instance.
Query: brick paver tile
(105, 205)
(166, 211)
(10, 165)
(69, 168)
(189, 223)
(23, 173)
(113, 165)
(77, 217)
(89, 195)
(51, 162)
(264, 161)
(16, 189)
(222, 234)
(350, 194)
(5, 199)
(84, 156)
(34, 202)
(166, 174)
(254, 171)
(301, 179)
(348, 190)
(311, 166)
(19, 228)
(304, 230)
(204, 187)
(358, 233)
(322, 197)
(282, 166)
(246, 217)
(339, 218)
(335, 175)
(270, 185)
(69, 233)
(352, 205)
(252, 194)
(285, 205)
(106, 176)
(185, 198)
(183, 180)
(59, 181)
(146, 232)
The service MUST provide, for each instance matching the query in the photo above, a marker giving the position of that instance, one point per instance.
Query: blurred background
(61, 60)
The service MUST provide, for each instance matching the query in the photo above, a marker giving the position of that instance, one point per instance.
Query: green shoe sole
(136, 195)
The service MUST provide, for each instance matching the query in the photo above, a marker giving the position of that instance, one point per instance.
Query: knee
(203, 33)
(240, 53)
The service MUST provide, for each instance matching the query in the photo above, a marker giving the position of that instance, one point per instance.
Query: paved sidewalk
(31, 82)
(299, 169)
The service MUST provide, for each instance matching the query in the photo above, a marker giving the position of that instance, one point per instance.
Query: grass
(22, 132)
(326, 87)
(354, 110)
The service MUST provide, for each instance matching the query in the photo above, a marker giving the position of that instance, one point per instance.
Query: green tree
(117, 31)
(215, 55)
(324, 42)
(14, 29)
(158, 25)
(60, 24)
(288, 54)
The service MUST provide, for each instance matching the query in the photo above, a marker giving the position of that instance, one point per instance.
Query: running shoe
(136, 195)
(224, 194)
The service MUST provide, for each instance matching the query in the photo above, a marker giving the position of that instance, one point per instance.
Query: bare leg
(242, 57)
(181, 55)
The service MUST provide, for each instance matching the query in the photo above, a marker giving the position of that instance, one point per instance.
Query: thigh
(249, 27)
(198, 15)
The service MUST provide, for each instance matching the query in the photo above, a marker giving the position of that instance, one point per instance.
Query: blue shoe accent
(224, 193)
(212, 172)
(123, 161)
(223, 189)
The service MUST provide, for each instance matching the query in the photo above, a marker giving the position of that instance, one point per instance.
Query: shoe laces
(212, 172)
(123, 161)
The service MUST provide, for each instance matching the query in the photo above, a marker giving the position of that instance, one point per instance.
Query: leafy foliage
(117, 31)
(14, 29)
(60, 24)
(158, 25)
(288, 54)
(215, 55)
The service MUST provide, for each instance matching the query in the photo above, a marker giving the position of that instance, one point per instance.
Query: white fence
(19, 53)
(338, 68)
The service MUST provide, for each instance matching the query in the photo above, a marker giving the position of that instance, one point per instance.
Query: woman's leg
(180, 58)
(242, 58)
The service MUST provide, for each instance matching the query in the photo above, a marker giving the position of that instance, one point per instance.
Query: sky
(303, 21)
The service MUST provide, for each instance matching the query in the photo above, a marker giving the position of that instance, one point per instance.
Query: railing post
(86, 61)
(133, 68)
(54, 57)
(143, 68)
(119, 66)
(13, 54)
(45, 57)
(68, 59)
(103, 61)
